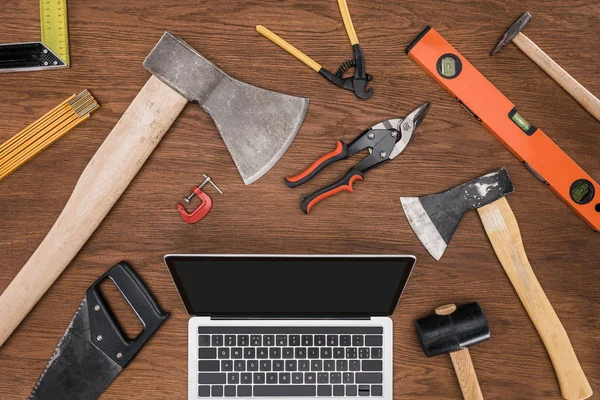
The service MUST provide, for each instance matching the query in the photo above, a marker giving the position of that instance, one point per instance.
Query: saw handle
(103, 322)
(135, 292)
(344, 184)
(348, 22)
(583, 96)
(340, 153)
(102, 182)
(273, 37)
(503, 231)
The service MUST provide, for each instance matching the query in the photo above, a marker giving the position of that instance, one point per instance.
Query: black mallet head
(452, 328)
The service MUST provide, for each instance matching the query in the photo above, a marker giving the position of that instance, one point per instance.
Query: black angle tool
(94, 350)
(357, 83)
(385, 141)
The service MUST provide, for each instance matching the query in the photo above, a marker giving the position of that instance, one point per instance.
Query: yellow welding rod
(288, 47)
(24, 140)
(42, 123)
(33, 140)
(31, 152)
(37, 123)
(45, 123)
(45, 131)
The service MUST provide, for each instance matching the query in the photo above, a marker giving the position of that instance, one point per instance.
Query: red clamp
(205, 202)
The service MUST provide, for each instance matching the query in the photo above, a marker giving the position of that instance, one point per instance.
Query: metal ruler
(53, 49)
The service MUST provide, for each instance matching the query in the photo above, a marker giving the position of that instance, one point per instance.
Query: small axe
(453, 330)
(257, 126)
(434, 219)
(583, 96)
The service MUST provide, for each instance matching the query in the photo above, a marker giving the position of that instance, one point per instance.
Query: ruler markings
(54, 27)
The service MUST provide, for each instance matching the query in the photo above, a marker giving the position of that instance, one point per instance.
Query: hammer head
(434, 218)
(510, 34)
(257, 125)
(452, 328)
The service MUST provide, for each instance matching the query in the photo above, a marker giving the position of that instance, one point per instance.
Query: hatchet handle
(101, 184)
(583, 96)
(503, 231)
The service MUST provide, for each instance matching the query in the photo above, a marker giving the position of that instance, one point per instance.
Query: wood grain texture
(109, 41)
(463, 365)
(105, 178)
(503, 231)
(465, 372)
(556, 72)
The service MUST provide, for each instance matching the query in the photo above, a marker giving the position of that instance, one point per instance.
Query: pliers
(357, 83)
(385, 141)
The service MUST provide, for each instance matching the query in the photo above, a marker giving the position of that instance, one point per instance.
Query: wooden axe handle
(465, 372)
(501, 227)
(101, 184)
(562, 77)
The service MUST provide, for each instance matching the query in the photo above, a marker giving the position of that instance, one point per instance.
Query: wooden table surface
(110, 39)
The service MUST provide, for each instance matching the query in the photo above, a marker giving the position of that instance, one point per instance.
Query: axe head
(257, 125)
(434, 218)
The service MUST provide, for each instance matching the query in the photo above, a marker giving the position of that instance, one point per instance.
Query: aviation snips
(385, 141)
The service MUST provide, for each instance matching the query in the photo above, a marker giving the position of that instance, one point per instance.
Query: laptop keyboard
(290, 361)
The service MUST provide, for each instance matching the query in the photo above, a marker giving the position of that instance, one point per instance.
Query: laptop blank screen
(290, 285)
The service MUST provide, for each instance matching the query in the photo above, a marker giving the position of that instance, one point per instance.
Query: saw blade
(77, 369)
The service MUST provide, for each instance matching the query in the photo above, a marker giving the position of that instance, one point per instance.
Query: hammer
(451, 330)
(531, 50)
(434, 219)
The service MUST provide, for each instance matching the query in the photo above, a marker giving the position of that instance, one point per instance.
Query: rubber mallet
(451, 330)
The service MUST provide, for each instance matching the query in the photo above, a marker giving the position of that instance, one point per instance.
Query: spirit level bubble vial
(500, 117)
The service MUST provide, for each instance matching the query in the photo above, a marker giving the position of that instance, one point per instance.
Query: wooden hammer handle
(574, 88)
(101, 184)
(465, 372)
(503, 231)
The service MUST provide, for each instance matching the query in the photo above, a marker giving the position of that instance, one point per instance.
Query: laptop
(298, 326)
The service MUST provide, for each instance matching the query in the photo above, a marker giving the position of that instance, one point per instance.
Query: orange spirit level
(500, 117)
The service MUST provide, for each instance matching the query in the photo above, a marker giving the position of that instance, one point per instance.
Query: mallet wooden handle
(503, 231)
(465, 372)
(101, 184)
(463, 365)
(574, 88)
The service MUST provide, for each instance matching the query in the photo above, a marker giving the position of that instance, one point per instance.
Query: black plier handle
(357, 83)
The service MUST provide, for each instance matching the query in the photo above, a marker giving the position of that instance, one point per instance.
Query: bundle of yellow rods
(42, 133)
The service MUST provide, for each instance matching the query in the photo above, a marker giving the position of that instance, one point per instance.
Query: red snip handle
(340, 153)
(343, 185)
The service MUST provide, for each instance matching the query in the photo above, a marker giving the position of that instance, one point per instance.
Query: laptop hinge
(225, 318)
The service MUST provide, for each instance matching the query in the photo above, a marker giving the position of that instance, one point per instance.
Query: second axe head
(257, 125)
(434, 218)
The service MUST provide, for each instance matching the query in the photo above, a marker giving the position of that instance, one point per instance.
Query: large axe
(434, 219)
(257, 126)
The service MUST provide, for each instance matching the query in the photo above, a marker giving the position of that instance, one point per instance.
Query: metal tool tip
(420, 113)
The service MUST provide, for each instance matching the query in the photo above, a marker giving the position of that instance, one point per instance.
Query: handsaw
(93, 349)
